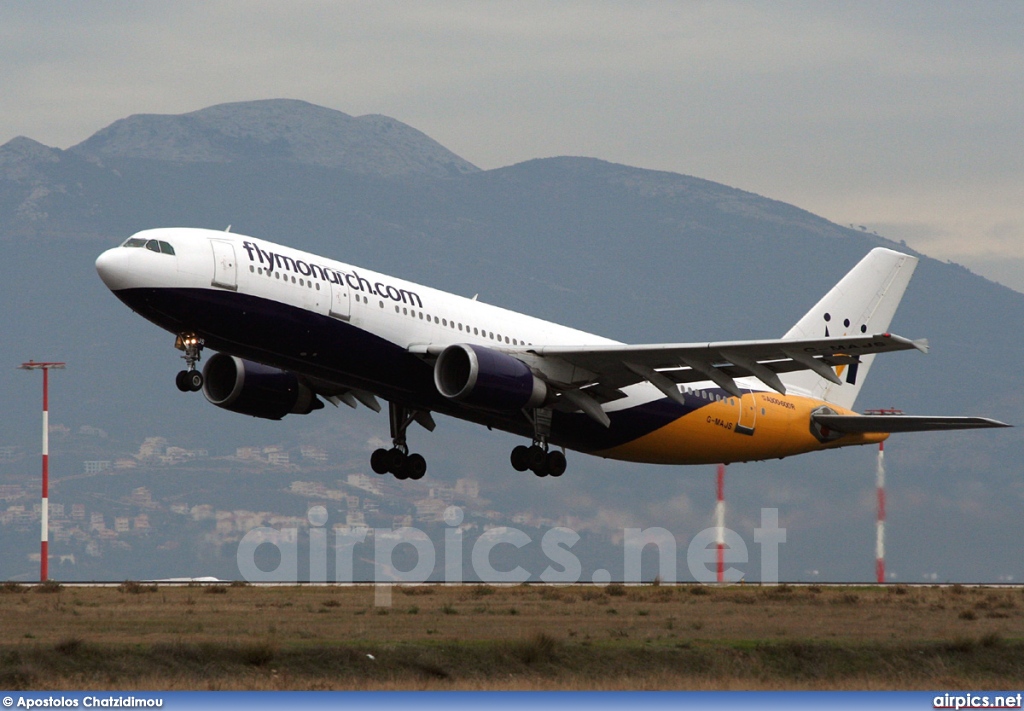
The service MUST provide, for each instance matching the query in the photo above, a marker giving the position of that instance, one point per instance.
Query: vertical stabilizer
(863, 302)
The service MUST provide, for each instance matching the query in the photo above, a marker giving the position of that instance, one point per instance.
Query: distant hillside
(277, 130)
(638, 255)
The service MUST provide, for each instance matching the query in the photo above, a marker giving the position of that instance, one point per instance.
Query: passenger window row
(705, 395)
(308, 283)
(403, 310)
(465, 328)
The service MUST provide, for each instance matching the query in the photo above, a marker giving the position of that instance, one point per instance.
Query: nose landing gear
(190, 379)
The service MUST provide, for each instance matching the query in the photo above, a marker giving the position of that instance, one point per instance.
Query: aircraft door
(341, 300)
(225, 269)
(747, 417)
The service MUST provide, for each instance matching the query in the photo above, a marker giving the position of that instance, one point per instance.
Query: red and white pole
(44, 536)
(720, 523)
(880, 523)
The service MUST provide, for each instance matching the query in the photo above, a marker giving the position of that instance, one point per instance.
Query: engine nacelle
(254, 389)
(485, 378)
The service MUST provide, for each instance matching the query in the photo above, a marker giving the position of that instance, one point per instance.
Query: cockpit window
(153, 245)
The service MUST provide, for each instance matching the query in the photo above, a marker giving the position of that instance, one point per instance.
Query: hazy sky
(905, 117)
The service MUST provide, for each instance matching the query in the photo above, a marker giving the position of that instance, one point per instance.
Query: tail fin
(863, 302)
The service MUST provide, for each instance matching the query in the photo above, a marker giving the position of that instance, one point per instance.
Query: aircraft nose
(113, 268)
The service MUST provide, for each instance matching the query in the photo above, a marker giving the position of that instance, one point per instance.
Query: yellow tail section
(760, 425)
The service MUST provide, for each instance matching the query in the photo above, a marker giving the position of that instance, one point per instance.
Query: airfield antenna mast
(720, 523)
(44, 536)
(880, 523)
(880, 489)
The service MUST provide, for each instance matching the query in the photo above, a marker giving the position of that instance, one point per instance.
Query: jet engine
(482, 377)
(254, 389)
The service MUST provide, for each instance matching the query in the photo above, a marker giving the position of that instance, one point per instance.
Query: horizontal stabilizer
(856, 424)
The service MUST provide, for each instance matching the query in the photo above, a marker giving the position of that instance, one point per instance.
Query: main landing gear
(398, 460)
(190, 379)
(536, 457)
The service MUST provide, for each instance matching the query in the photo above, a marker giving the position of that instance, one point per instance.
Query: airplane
(292, 329)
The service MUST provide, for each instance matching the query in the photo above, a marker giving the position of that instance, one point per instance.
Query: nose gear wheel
(190, 379)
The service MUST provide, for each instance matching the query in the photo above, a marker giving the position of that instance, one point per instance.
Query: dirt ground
(141, 636)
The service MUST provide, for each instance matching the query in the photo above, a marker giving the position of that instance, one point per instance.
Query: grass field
(522, 637)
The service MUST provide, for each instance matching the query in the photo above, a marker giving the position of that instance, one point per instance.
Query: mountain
(277, 131)
(634, 254)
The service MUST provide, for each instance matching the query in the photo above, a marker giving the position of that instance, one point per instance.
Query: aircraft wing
(605, 368)
(902, 423)
(585, 377)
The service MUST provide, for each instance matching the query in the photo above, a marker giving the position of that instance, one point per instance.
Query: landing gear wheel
(380, 461)
(555, 463)
(520, 458)
(415, 466)
(190, 379)
(535, 457)
(396, 461)
(181, 380)
(401, 471)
